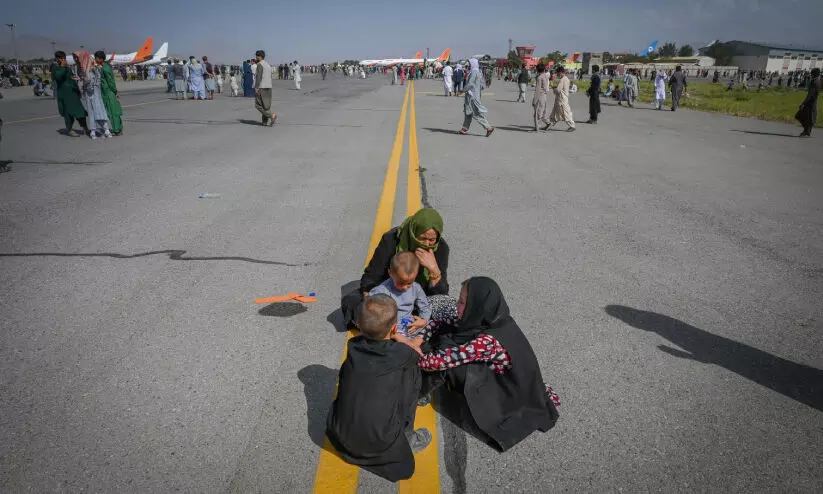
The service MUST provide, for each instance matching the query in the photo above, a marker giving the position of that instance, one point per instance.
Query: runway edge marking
(426, 478)
(335, 476)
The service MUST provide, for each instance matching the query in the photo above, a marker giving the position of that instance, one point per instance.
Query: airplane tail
(444, 56)
(144, 53)
(163, 52)
(652, 47)
(418, 54)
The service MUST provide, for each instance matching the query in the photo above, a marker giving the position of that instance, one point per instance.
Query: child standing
(406, 293)
(234, 86)
(371, 423)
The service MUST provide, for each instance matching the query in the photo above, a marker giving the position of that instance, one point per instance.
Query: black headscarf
(486, 309)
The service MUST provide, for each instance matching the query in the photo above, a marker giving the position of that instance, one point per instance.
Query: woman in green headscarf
(420, 233)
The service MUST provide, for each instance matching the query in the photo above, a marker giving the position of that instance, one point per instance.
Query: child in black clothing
(371, 421)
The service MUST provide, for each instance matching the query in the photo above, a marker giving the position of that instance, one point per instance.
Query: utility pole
(14, 45)
(53, 47)
(427, 54)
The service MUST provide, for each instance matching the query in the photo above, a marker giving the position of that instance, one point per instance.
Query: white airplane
(158, 57)
(144, 53)
(409, 61)
(383, 61)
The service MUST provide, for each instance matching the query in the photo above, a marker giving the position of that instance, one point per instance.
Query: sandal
(462, 132)
(489, 131)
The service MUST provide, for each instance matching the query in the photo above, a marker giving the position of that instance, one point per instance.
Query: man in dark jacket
(594, 95)
(522, 83)
(371, 422)
(807, 115)
(678, 85)
(68, 94)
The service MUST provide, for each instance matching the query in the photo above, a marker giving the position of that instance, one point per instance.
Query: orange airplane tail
(418, 54)
(144, 53)
(445, 55)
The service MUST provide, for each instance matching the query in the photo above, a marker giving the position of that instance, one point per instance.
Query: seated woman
(617, 93)
(420, 233)
(609, 88)
(488, 359)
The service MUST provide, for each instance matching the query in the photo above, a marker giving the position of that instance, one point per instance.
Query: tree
(668, 50)
(514, 60)
(685, 51)
(608, 57)
(557, 57)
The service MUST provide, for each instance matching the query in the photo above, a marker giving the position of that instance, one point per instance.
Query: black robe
(377, 393)
(507, 407)
(807, 115)
(594, 97)
(378, 271)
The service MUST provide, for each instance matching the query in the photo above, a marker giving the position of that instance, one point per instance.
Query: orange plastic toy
(285, 298)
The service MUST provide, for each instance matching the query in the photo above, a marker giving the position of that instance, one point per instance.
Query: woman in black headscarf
(486, 357)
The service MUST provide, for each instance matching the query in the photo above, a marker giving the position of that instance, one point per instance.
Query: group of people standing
(455, 78)
(87, 93)
(202, 80)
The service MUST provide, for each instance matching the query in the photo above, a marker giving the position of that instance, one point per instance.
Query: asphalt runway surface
(667, 268)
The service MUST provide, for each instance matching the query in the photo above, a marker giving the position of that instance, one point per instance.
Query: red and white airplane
(141, 55)
(409, 61)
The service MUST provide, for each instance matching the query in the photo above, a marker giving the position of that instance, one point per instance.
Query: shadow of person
(797, 381)
(458, 422)
(246, 121)
(764, 133)
(337, 318)
(282, 309)
(318, 384)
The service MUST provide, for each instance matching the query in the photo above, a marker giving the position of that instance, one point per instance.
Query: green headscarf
(421, 221)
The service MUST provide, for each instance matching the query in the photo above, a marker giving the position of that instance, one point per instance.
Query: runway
(666, 267)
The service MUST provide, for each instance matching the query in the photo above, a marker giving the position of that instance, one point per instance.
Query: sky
(328, 30)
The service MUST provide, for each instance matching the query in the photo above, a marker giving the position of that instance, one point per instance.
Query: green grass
(775, 104)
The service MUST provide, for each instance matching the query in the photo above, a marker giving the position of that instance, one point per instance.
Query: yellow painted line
(335, 476)
(58, 116)
(426, 478)
(413, 196)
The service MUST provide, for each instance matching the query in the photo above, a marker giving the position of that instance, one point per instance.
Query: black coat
(507, 407)
(378, 269)
(376, 402)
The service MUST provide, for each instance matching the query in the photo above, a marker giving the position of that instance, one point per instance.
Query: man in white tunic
(660, 89)
(562, 112)
(447, 79)
(297, 74)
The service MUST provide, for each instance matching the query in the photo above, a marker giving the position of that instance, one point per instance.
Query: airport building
(771, 57)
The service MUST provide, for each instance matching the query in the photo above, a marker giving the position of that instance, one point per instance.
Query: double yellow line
(335, 476)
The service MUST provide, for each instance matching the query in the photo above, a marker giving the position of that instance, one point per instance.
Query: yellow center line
(58, 116)
(426, 478)
(334, 475)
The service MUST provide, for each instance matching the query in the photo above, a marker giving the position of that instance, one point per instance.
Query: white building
(772, 57)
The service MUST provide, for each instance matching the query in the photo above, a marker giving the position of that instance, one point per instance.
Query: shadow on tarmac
(174, 255)
(49, 162)
(796, 381)
(283, 309)
(319, 383)
(449, 131)
(516, 128)
(794, 136)
(458, 423)
(336, 317)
